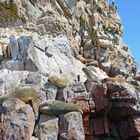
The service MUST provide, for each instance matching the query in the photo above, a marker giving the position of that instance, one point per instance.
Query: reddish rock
(99, 90)
(102, 106)
(16, 120)
(124, 100)
(99, 95)
(84, 105)
(71, 126)
(99, 126)
(137, 77)
(129, 128)
(121, 91)
(120, 109)
(86, 123)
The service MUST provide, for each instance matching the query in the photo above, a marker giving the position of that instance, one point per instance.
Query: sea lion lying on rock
(55, 107)
(60, 82)
(114, 79)
(26, 94)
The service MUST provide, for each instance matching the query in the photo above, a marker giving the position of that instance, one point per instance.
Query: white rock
(61, 63)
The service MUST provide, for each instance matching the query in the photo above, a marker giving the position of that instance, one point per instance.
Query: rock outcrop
(16, 120)
(71, 51)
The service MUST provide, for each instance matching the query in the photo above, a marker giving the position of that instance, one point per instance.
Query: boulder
(124, 99)
(129, 128)
(17, 120)
(99, 126)
(100, 98)
(47, 128)
(71, 126)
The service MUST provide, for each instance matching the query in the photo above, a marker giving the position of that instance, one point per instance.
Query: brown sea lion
(26, 94)
(60, 82)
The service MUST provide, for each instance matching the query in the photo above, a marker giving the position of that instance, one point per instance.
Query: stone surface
(17, 120)
(124, 99)
(85, 105)
(71, 126)
(131, 126)
(100, 97)
(59, 38)
(47, 128)
(99, 126)
(51, 91)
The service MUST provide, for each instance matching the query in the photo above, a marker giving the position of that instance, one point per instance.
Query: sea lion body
(55, 107)
(26, 94)
(59, 82)
(114, 79)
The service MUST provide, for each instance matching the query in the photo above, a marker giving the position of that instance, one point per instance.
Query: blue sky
(129, 11)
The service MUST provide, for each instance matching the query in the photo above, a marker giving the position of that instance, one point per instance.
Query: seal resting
(60, 82)
(26, 94)
(55, 107)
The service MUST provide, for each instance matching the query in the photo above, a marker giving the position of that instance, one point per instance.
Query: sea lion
(114, 79)
(57, 81)
(56, 107)
(84, 60)
(26, 94)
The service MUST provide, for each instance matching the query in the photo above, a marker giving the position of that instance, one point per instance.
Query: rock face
(17, 120)
(47, 128)
(72, 51)
(71, 127)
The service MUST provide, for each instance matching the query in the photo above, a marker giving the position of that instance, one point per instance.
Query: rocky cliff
(71, 51)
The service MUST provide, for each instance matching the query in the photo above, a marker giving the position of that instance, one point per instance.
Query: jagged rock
(137, 77)
(86, 124)
(65, 95)
(13, 65)
(51, 91)
(71, 126)
(94, 75)
(79, 90)
(85, 105)
(60, 63)
(59, 38)
(11, 79)
(19, 54)
(100, 97)
(124, 99)
(129, 128)
(17, 120)
(99, 126)
(47, 128)
(14, 48)
(113, 130)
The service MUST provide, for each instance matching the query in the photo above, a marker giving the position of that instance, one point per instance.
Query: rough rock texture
(71, 127)
(47, 128)
(16, 120)
(68, 50)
